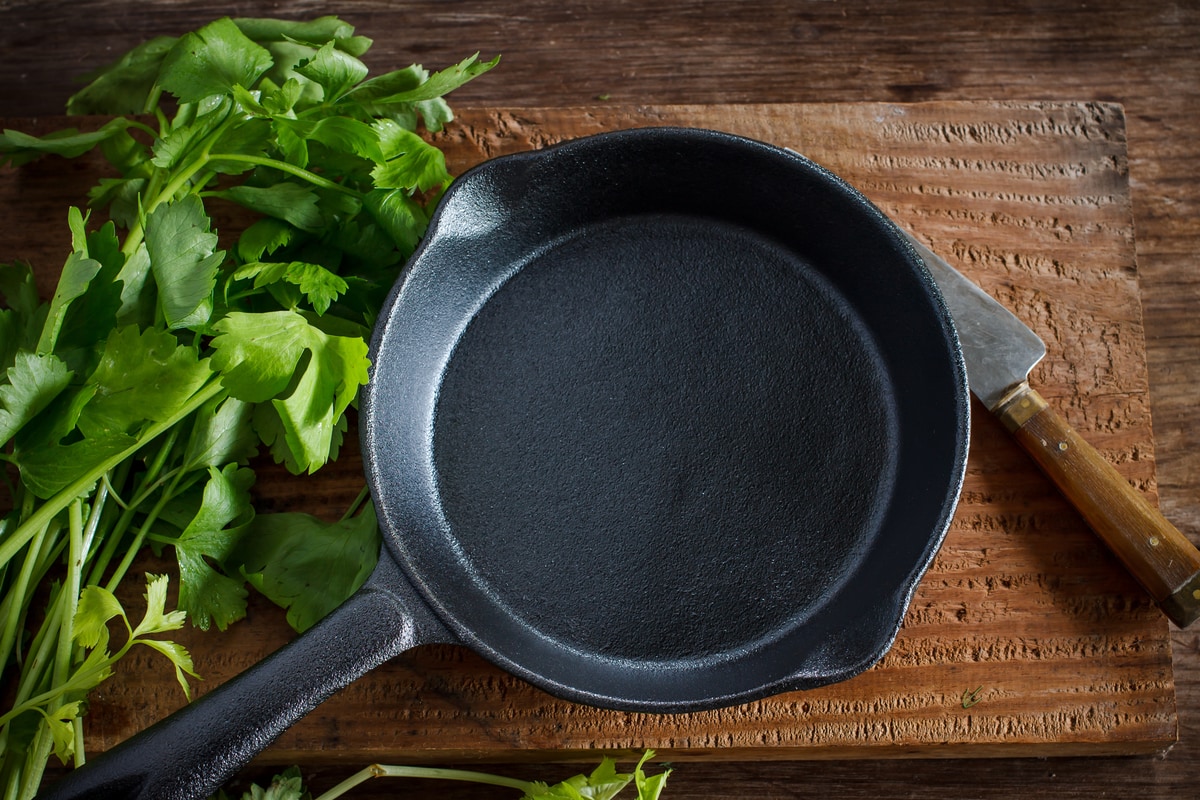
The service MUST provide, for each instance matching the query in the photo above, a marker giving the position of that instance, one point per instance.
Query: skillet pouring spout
(660, 420)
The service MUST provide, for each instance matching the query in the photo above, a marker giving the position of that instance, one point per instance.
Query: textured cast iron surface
(668, 438)
(687, 430)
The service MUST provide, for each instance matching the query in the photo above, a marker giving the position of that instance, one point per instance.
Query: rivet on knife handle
(999, 351)
(1158, 555)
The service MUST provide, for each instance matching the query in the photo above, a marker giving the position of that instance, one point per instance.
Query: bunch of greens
(603, 783)
(132, 402)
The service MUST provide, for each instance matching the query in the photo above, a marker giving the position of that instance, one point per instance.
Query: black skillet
(659, 420)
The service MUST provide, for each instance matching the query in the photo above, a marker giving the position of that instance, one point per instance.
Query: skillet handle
(188, 755)
(1159, 556)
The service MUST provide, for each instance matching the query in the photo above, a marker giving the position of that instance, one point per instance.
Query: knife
(1000, 351)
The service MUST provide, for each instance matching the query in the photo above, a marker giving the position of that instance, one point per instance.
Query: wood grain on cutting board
(1023, 615)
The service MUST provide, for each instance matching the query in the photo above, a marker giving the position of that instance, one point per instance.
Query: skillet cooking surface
(665, 420)
(641, 415)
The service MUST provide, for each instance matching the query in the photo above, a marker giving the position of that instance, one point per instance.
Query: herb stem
(135, 546)
(436, 773)
(70, 593)
(363, 494)
(50, 509)
(13, 606)
(291, 169)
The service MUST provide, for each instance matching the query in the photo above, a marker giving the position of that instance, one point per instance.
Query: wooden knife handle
(1158, 555)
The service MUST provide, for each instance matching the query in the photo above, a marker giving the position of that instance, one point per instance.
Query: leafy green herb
(304, 564)
(603, 783)
(132, 402)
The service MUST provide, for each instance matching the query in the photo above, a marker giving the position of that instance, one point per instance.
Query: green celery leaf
(57, 421)
(264, 236)
(299, 94)
(183, 260)
(318, 284)
(121, 196)
(187, 136)
(250, 102)
(649, 787)
(399, 215)
(179, 657)
(603, 783)
(211, 61)
(257, 354)
(291, 202)
(18, 148)
(282, 100)
(141, 376)
(442, 82)
(306, 565)
(209, 596)
(48, 470)
(369, 94)
(33, 381)
(221, 434)
(249, 137)
(129, 155)
(95, 669)
(62, 730)
(89, 319)
(19, 290)
(212, 134)
(137, 293)
(337, 133)
(124, 86)
(96, 607)
(22, 322)
(410, 162)
(274, 434)
(334, 70)
(287, 785)
(310, 376)
(10, 338)
(435, 113)
(157, 619)
(314, 32)
(77, 274)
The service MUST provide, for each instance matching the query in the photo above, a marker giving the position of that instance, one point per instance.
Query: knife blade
(1000, 352)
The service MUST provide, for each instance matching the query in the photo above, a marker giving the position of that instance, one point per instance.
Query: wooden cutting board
(1025, 638)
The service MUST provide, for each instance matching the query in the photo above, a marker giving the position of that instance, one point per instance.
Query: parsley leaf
(309, 376)
(306, 565)
(211, 61)
(335, 70)
(210, 596)
(96, 607)
(124, 86)
(315, 282)
(409, 161)
(288, 201)
(31, 383)
(141, 376)
(18, 148)
(48, 470)
(183, 260)
(221, 435)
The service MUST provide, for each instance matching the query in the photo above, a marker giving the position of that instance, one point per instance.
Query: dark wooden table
(1145, 55)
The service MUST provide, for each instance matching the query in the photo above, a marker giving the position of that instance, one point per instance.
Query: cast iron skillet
(660, 420)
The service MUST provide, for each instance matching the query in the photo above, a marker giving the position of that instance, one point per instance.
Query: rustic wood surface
(571, 53)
